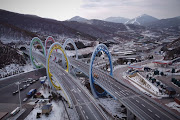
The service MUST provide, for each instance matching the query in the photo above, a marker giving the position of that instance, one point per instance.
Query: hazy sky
(98, 9)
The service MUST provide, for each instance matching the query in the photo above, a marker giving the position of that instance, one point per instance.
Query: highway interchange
(137, 103)
(84, 105)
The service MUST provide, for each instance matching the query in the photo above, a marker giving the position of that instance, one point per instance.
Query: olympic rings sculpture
(100, 47)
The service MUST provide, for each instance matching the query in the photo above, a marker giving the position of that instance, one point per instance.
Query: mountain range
(21, 27)
(143, 20)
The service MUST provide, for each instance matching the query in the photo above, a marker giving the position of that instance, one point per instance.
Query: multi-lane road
(83, 103)
(136, 102)
(8, 101)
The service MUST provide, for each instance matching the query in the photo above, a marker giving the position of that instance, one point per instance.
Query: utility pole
(18, 83)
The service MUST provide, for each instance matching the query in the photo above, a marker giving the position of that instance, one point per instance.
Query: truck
(170, 91)
(31, 93)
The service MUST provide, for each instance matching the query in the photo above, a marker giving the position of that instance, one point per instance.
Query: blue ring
(100, 47)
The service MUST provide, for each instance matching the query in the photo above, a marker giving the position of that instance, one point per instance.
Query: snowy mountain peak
(78, 19)
(142, 20)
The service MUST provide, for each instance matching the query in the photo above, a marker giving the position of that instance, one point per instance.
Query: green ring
(35, 39)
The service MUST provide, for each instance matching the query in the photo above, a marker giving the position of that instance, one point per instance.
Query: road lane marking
(118, 94)
(157, 115)
(149, 110)
(83, 111)
(142, 105)
(137, 101)
(79, 90)
(156, 109)
(87, 117)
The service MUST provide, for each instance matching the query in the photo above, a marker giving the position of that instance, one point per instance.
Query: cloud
(98, 9)
(130, 8)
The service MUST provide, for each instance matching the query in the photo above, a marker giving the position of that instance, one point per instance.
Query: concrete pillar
(130, 115)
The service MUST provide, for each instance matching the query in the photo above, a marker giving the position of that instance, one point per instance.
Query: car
(17, 91)
(21, 89)
(34, 80)
(25, 99)
(24, 86)
(27, 85)
(14, 93)
(25, 81)
(31, 82)
(29, 78)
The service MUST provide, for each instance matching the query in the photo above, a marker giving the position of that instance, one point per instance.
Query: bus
(31, 93)
(15, 111)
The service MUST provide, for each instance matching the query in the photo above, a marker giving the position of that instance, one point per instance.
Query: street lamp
(18, 83)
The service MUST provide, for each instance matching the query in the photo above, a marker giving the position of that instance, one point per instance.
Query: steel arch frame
(69, 40)
(100, 47)
(56, 46)
(48, 39)
(35, 39)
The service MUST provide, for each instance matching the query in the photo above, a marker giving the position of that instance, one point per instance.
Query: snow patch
(112, 105)
(174, 105)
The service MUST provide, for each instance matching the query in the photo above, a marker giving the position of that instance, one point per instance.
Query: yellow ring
(50, 74)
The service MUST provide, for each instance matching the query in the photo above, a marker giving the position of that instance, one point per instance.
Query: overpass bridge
(141, 106)
(84, 105)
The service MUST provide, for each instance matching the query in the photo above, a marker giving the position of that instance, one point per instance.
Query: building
(46, 109)
(162, 63)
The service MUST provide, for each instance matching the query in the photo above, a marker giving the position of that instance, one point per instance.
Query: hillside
(10, 55)
(20, 27)
(172, 50)
(171, 23)
(10, 33)
(39, 26)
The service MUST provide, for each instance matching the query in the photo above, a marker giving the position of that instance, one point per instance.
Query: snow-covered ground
(28, 67)
(57, 113)
(174, 105)
(13, 69)
(112, 106)
(147, 88)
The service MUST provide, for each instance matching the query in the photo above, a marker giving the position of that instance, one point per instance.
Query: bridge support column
(130, 115)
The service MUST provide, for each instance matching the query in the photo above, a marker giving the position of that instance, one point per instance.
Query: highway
(84, 105)
(8, 101)
(137, 103)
